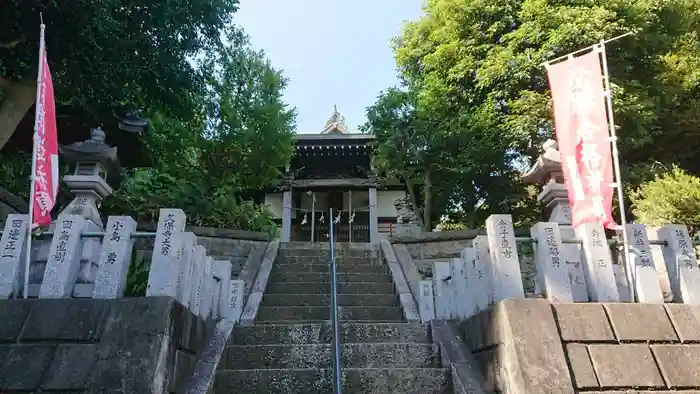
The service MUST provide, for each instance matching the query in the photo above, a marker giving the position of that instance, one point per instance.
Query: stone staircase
(289, 349)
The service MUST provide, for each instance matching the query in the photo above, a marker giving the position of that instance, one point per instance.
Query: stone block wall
(442, 246)
(532, 346)
(232, 245)
(132, 345)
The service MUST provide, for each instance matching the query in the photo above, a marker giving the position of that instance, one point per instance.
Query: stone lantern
(92, 161)
(547, 172)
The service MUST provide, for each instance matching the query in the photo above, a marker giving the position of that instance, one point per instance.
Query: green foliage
(105, 55)
(219, 132)
(474, 68)
(137, 277)
(673, 197)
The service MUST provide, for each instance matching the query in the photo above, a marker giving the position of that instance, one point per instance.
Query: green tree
(105, 55)
(462, 167)
(673, 197)
(235, 144)
(483, 60)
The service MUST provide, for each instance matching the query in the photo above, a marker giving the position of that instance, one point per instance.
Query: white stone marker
(623, 288)
(443, 292)
(657, 254)
(235, 300)
(552, 272)
(64, 258)
(186, 242)
(113, 268)
(207, 289)
(571, 254)
(597, 267)
(12, 254)
(165, 265)
(200, 255)
(681, 264)
(472, 282)
(508, 281)
(222, 271)
(646, 280)
(426, 301)
(483, 282)
(459, 286)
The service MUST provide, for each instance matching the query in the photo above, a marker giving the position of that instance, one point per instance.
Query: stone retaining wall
(137, 345)
(532, 346)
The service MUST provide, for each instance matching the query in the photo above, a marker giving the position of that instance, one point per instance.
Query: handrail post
(337, 379)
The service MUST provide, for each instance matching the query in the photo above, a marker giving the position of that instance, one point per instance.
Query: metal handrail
(334, 314)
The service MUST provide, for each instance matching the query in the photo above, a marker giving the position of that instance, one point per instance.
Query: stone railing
(569, 266)
(180, 268)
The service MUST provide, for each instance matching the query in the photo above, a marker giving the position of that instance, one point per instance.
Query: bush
(672, 198)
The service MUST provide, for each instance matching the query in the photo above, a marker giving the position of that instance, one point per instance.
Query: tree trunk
(19, 96)
(427, 201)
(414, 200)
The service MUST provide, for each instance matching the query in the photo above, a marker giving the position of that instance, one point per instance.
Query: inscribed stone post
(12, 249)
(484, 273)
(459, 286)
(597, 267)
(199, 257)
(207, 288)
(508, 282)
(286, 216)
(681, 264)
(186, 242)
(623, 288)
(571, 253)
(443, 292)
(426, 301)
(64, 258)
(165, 266)
(235, 306)
(222, 271)
(657, 253)
(117, 246)
(552, 272)
(646, 280)
(466, 256)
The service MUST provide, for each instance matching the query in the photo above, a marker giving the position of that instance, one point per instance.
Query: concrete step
(294, 334)
(322, 313)
(320, 381)
(291, 276)
(325, 267)
(325, 288)
(325, 300)
(318, 252)
(339, 260)
(360, 355)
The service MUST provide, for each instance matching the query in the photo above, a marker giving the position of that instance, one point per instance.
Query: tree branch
(13, 43)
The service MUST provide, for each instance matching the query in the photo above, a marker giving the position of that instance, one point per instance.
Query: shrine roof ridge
(331, 137)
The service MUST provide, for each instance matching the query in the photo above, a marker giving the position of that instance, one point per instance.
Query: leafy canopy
(107, 55)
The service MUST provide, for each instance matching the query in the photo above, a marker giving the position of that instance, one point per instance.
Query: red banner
(581, 125)
(45, 147)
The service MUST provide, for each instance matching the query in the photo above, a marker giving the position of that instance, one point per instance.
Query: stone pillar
(117, 246)
(12, 252)
(507, 277)
(373, 217)
(165, 261)
(287, 216)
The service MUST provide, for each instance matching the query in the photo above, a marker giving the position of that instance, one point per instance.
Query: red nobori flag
(581, 125)
(43, 196)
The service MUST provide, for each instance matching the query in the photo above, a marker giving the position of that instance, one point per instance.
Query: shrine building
(334, 170)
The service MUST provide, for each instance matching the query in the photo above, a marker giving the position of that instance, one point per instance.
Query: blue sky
(332, 51)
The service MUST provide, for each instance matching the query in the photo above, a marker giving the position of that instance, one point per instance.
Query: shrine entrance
(311, 223)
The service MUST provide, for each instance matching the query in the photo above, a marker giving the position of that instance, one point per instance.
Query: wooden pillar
(373, 217)
(287, 216)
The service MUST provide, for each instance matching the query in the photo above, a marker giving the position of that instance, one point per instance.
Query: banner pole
(32, 182)
(603, 42)
(630, 269)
